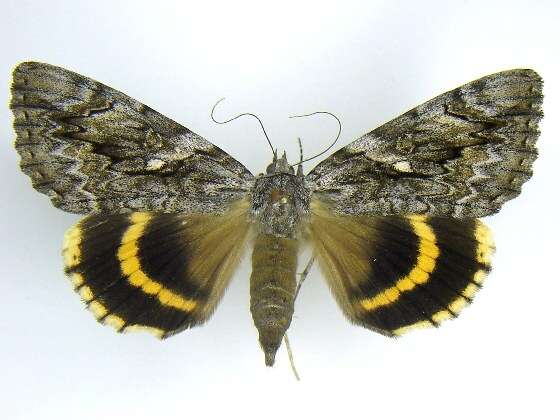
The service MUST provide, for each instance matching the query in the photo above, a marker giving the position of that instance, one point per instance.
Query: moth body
(391, 218)
(279, 205)
(272, 287)
(279, 200)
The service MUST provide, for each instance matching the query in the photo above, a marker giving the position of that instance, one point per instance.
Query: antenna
(237, 116)
(330, 146)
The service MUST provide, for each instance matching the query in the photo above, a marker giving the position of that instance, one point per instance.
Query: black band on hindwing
(162, 258)
(394, 252)
(441, 290)
(164, 254)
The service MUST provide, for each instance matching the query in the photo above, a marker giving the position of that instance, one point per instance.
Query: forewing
(91, 148)
(391, 274)
(461, 154)
(156, 271)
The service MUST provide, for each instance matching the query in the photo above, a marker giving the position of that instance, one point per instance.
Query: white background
(367, 62)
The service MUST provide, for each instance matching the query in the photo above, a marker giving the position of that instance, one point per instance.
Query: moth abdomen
(273, 286)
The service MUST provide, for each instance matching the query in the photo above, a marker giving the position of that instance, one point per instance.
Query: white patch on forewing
(155, 164)
(402, 166)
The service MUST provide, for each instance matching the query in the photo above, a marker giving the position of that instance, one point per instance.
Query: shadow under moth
(392, 218)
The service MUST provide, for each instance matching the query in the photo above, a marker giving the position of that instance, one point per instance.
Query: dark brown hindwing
(392, 274)
(163, 272)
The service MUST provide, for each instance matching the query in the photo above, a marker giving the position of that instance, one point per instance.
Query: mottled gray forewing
(91, 148)
(462, 154)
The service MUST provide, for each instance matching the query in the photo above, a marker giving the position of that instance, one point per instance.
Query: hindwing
(394, 273)
(164, 272)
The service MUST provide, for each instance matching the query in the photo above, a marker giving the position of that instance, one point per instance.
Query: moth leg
(303, 275)
(291, 357)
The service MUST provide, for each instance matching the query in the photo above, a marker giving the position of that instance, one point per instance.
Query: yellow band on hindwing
(102, 314)
(142, 271)
(416, 325)
(460, 302)
(485, 247)
(131, 268)
(482, 257)
(71, 251)
(452, 259)
(420, 272)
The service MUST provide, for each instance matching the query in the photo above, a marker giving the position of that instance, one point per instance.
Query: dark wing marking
(91, 148)
(462, 154)
(391, 274)
(155, 271)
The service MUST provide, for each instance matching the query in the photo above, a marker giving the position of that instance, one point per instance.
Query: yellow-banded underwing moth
(392, 218)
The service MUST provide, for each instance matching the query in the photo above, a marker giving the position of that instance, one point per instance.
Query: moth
(392, 218)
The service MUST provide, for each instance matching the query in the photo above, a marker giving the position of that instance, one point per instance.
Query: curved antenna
(330, 146)
(236, 117)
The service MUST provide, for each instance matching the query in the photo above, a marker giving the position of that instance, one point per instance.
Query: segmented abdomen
(273, 286)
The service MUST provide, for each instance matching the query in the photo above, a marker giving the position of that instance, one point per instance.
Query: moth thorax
(273, 285)
(278, 203)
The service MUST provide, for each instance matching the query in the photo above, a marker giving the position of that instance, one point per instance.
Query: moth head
(279, 166)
